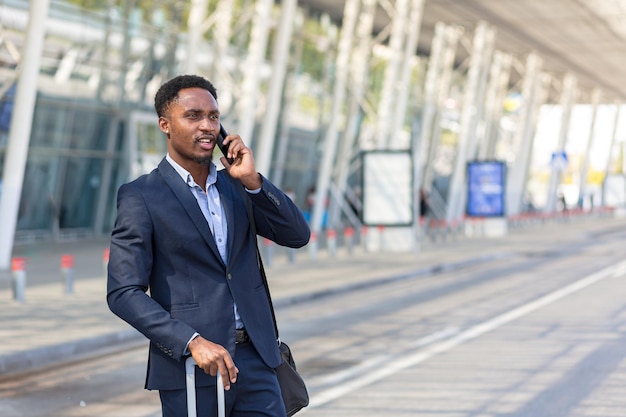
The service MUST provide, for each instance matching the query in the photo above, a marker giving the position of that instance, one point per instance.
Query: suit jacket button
(229, 276)
(273, 198)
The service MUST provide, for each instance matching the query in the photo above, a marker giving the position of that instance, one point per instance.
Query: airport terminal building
(94, 126)
(311, 87)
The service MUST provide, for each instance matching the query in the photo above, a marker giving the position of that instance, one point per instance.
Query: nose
(208, 124)
(205, 124)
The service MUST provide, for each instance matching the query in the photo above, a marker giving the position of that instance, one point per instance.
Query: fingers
(242, 165)
(236, 147)
(233, 142)
(229, 373)
(227, 369)
(211, 358)
(225, 162)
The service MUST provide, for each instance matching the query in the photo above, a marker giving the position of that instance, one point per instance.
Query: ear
(164, 125)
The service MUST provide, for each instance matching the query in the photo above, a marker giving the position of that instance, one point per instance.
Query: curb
(55, 355)
(421, 272)
(59, 354)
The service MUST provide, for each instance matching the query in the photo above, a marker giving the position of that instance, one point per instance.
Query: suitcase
(190, 380)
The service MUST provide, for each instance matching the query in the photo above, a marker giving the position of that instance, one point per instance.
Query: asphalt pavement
(56, 323)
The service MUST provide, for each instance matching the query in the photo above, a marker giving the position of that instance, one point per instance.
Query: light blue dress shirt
(213, 211)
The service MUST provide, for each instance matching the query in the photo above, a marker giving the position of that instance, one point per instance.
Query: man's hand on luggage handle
(211, 357)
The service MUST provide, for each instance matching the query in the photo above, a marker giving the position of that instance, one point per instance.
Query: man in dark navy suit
(183, 234)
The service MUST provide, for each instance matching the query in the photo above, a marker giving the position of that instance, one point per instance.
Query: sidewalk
(51, 327)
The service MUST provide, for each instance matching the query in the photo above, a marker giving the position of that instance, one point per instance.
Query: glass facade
(74, 145)
(94, 127)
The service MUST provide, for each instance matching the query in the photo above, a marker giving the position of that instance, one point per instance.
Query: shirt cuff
(187, 345)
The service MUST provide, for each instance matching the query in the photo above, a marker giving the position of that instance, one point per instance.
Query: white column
(254, 61)
(415, 23)
(595, 102)
(477, 128)
(21, 125)
(66, 66)
(516, 176)
(618, 113)
(568, 97)
(223, 25)
(390, 83)
(350, 15)
(443, 79)
(197, 14)
(429, 110)
(274, 98)
(496, 92)
(359, 66)
(289, 98)
(456, 193)
(516, 191)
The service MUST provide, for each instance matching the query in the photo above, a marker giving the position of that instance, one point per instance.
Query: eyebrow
(211, 112)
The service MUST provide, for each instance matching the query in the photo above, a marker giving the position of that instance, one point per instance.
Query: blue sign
(485, 188)
(559, 160)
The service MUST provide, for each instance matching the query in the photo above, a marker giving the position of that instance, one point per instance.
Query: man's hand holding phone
(240, 164)
(220, 144)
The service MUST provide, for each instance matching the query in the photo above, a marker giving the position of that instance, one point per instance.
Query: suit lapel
(189, 203)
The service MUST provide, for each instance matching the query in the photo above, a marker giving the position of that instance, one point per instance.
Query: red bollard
(348, 235)
(267, 244)
(105, 260)
(18, 274)
(67, 272)
(331, 241)
(364, 230)
(67, 261)
(381, 236)
(313, 246)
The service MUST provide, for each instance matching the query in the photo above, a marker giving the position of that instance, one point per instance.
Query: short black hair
(168, 92)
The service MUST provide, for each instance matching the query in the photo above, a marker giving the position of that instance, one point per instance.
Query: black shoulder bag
(292, 387)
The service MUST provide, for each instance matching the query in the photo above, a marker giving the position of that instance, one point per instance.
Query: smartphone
(220, 144)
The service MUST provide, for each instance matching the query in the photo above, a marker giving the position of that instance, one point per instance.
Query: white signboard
(387, 188)
(615, 191)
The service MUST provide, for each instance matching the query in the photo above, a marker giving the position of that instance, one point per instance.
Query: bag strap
(267, 290)
(248, 203)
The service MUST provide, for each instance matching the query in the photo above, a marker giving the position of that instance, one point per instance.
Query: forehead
(195, 98)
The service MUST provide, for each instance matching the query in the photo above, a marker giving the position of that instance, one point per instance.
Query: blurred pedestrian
(423, 202)
(183, 234)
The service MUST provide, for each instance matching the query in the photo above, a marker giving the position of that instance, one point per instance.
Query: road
(539, 332)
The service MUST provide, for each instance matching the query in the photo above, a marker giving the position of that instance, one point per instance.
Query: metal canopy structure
(586, 38)
(484, 70)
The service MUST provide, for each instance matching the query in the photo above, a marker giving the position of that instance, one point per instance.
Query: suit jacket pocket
(182, 307)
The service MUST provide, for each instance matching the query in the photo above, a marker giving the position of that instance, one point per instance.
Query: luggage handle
(190, 380)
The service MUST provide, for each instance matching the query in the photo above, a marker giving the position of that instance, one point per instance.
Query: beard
(204, 160)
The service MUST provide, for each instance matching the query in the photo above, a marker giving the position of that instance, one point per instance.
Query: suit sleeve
(129, 270)
(278, 218)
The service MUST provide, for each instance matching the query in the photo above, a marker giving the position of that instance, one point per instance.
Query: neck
(199, 174)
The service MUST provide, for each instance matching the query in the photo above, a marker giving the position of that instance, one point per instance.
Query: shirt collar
(186, 176)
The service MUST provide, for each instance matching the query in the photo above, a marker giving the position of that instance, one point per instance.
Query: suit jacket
(161, 243)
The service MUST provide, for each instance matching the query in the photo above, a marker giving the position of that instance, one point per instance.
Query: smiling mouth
(205, 139)
(206, 143)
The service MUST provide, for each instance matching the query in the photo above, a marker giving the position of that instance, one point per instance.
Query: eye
(214, 117)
